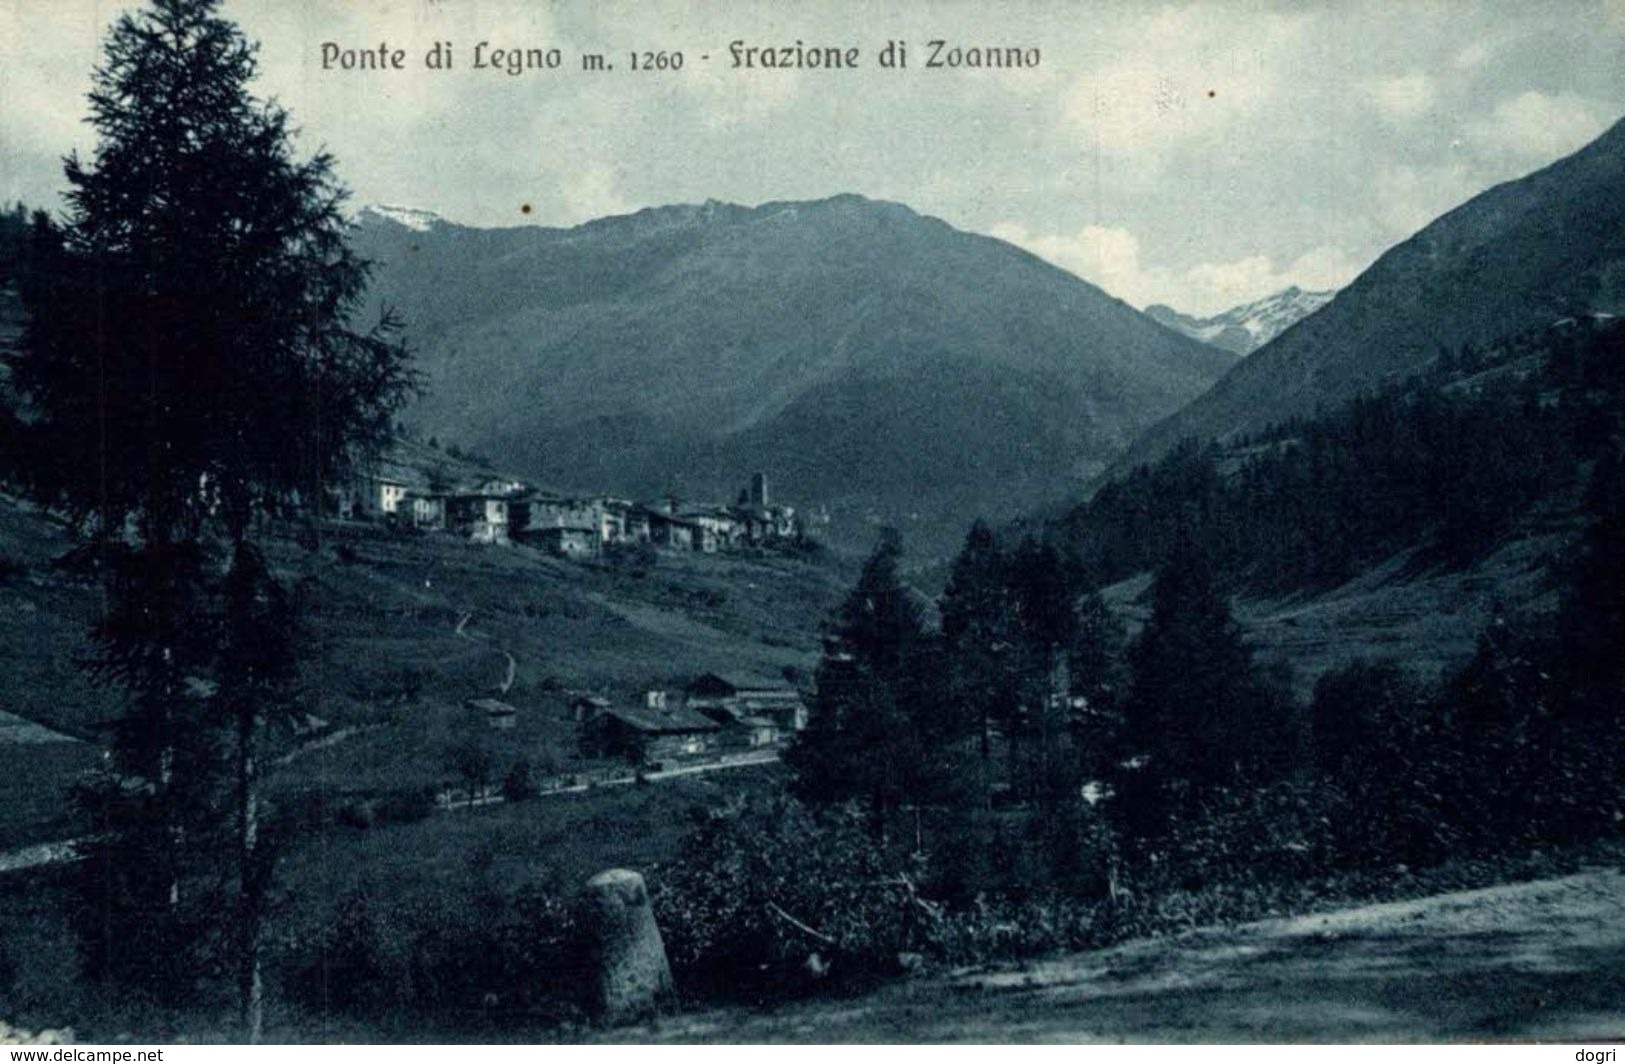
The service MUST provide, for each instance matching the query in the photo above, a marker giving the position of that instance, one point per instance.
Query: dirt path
(1542, 961)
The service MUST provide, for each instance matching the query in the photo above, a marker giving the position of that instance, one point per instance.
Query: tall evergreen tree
(189, 371)
(862, 739)
(1198, 712)
(1042, 594)
(978, 636)
(1096, 675)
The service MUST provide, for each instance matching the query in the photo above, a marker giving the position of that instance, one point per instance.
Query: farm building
(497, 715)
(737, 698)
(653, 729)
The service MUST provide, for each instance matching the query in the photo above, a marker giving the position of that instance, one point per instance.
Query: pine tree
(862, 740)
(977, 621)
(189, 373)
(1197, 713)
(1095, 671)
(1042, 593)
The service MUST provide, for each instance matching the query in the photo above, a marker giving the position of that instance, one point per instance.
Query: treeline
(1445, 463)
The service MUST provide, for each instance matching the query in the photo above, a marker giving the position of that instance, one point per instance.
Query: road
(732, 761)
(1543, 960)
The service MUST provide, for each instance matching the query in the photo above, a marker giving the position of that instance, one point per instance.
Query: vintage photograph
(830, 522)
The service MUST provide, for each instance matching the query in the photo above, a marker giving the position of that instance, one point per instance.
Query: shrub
(518, 785)
(406, 806)
(350, 968)
(12, 569)
(480, 959)
(761, 891)
(639, 555)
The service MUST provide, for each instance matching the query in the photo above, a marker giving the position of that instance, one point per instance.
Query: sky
(1199, 154)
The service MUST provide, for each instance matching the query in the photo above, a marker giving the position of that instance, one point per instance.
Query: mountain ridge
(689, 344)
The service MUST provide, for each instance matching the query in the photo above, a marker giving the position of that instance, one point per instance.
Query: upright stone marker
(626, 958)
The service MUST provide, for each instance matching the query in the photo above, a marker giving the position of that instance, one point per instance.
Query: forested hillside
(1444, 464)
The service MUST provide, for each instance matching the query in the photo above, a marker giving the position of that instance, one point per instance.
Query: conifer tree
(1198, 712)
(190, 372)
(862, 740)
(978, 637)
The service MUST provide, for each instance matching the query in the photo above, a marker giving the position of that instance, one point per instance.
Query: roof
(739, 682)
(771, 700)
(491, 706)
(719, 513)
(674, 719)
(671, 519)
(388, 471)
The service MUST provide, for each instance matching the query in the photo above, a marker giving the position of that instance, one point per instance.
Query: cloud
(1536, 125)
(1403, 98)
(728, 99)
(1111, 258)
(589, 192)
(1099, 254)
(1473, 56)
(1409, 197)
(1183, 74)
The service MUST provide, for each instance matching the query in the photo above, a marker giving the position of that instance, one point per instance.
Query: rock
(628, 975)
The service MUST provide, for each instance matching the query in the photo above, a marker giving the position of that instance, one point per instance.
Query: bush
(406, 806)
(639, 555)
(765, 899)
(12, 569)
(518, 785)
(482, 959)
(350, 968)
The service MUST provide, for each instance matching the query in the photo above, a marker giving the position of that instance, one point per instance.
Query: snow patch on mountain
(1244, 329)
(420, 221)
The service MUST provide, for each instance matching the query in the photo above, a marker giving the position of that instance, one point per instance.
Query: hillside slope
(871, 360)
(400, 629)
(1519, 256)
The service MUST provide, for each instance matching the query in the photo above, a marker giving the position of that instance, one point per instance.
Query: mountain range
(1519, 256)
(877, 364)
(1243, 329)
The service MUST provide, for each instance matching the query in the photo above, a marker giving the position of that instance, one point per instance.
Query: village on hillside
(405, 490)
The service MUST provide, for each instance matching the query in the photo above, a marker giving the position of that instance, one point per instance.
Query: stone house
(566, 541)
(425, 509)
(636, 524)
(378, 493)
(673, 532)
(480, 516)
